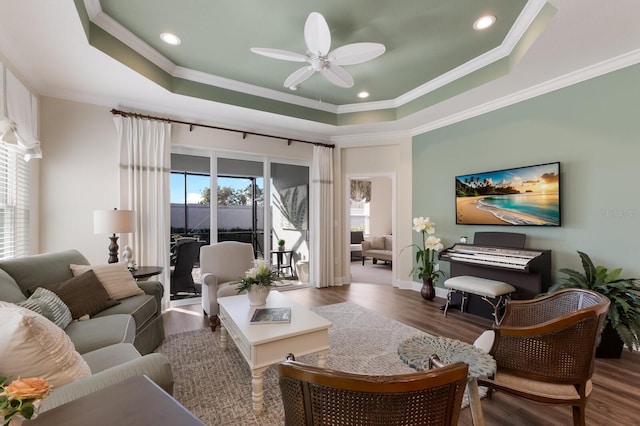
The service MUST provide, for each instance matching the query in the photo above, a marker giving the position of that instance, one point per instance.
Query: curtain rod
(191, 124)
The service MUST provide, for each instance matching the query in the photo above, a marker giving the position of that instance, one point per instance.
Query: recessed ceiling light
(363, 95)
(484, 22)
(171, 39)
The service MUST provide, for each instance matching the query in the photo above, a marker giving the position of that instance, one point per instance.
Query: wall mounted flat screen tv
(520, 196)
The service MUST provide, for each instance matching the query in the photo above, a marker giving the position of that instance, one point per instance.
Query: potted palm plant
(622, 325)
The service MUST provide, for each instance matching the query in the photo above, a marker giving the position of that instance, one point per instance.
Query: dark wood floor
(616, 395)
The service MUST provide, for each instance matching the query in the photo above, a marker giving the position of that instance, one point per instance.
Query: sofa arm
(153, 288)
(155, 366)
(366, 246)
(210, 280)
(209, 294)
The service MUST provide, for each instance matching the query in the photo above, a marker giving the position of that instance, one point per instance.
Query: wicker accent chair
(545, 348)
(321, 396)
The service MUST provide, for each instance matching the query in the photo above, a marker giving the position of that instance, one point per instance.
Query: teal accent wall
(591, 128)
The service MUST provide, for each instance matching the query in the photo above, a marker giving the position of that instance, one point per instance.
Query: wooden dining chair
(545, 348)
(320, 396)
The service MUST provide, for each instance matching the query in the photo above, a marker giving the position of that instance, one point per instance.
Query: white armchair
(220, 265)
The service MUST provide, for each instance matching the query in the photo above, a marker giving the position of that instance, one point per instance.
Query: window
(190, 205)
(14, 202)
(360, 216)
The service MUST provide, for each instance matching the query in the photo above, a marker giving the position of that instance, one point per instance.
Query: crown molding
(524, 21)
(111, 26)
(391, 137)
(214, 80)
(575, 77)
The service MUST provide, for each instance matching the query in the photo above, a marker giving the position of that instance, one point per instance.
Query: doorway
(370, 205)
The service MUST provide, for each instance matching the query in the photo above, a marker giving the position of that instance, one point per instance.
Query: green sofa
(116, 343)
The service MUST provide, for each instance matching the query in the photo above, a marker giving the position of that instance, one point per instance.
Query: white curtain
(20, 107)
(322, 262)
(145, 165)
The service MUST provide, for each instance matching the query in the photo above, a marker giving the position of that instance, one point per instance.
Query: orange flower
(30, 388)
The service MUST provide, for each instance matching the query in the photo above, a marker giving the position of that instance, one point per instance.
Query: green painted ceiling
(426, 40)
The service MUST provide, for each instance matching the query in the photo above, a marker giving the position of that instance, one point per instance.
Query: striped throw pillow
(115, 278)
(49, 305)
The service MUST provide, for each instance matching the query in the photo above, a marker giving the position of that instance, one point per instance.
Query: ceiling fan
(319, 58)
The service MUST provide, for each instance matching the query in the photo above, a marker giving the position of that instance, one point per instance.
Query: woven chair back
(317, 396)
(568, 324)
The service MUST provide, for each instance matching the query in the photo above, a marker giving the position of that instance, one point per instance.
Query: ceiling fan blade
(356, 53)
(317, 35)
(298, 76)
(338, 76)
(280, 54)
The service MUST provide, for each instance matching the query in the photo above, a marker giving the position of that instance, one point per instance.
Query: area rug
(215, 384)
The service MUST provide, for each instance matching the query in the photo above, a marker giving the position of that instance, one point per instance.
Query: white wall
(79, 174)
(230, 142)
(380, 206)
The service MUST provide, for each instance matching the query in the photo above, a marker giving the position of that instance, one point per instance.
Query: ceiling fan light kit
(319, 58)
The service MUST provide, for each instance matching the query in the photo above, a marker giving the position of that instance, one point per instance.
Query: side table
(416, 351)
(144, 272)
(136, 401)
(284, 261)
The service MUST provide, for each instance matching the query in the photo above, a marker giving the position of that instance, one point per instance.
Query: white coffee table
(263, 345)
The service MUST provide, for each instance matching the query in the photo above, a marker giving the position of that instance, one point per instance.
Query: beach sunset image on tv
(520, 196)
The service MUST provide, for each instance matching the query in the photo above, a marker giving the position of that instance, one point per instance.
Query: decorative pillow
(49, 305)
(115, 278)
(33, 346)
(377, 243)
(84, 295)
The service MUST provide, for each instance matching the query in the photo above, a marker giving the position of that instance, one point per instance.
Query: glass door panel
(240, 202)
(190, 197)
(290, 218)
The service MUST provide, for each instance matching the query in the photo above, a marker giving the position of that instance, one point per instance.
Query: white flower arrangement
(425, 255)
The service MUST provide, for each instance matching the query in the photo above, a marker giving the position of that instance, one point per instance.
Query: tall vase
(427, 291)
(258, 295)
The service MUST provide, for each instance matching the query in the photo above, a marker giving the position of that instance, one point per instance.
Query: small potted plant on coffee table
(281, 244)
(257, 282)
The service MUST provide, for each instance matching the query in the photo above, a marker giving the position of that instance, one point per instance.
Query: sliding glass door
(240, 202)
(249, 192)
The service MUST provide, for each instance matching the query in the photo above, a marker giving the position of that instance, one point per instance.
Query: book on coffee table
(271, 316)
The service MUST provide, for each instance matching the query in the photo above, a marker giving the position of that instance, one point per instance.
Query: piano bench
(496, 293)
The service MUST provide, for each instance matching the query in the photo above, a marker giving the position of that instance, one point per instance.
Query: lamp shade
(113, 221)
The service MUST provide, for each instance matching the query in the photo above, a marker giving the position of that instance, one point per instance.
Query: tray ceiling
(432, 51)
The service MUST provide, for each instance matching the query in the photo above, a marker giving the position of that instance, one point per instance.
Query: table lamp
(113, 222)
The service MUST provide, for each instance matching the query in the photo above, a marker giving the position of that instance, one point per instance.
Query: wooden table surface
(146, 271)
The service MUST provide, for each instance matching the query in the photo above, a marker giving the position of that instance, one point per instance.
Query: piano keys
(528, 270)
(491, 256)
